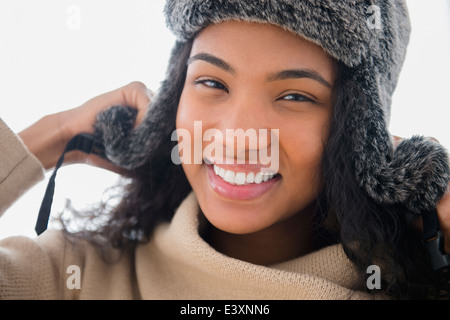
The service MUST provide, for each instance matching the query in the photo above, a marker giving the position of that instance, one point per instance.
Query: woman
(338, 202)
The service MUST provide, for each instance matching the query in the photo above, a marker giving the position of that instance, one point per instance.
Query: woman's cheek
(303, 150)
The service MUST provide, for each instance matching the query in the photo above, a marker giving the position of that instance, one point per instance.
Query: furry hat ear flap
(419, 174)
(414, 175)
(130, 148)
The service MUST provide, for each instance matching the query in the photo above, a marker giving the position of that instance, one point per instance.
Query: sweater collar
(179, 249)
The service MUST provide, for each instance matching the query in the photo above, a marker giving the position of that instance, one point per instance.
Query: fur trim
(130, 148)
(339, 27)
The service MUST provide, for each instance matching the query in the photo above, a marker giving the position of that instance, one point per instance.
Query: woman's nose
(245, 111)
(244, 128)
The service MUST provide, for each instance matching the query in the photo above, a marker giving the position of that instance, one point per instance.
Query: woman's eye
(296, 97)
(212, 84)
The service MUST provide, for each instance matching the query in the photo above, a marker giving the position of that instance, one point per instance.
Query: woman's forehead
(262, 46)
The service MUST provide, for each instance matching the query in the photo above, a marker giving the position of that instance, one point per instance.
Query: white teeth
(229, 176)
(258, 178)
(241, 178)
(250, 177)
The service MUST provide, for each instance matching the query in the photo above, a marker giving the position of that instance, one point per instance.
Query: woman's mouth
(245, 184)
(242, 178)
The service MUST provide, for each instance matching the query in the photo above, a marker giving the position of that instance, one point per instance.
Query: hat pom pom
(423, 167)
(417, 176)
(113, 129)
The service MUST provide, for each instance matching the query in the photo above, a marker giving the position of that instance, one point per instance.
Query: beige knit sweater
(176, 264)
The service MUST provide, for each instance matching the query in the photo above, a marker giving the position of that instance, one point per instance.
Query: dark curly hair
(371, 233)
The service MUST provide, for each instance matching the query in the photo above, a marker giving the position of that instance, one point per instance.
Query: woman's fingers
(135, 95)
(443, 207)
(396, 140)
(76, 156)
(443, 210)
(47, 137)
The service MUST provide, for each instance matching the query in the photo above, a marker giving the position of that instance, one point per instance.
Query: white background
(57, 54)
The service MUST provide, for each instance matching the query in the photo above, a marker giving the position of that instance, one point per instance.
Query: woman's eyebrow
(282, 75)
(297, 74)
(213, 60)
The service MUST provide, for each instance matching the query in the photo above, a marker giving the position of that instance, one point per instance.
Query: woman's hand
(47, 138)
(443, 211)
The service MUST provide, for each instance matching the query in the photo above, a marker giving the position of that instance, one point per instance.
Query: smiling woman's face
(257, 76)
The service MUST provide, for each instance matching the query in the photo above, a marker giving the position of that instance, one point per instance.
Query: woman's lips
(238, 189)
